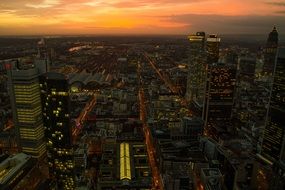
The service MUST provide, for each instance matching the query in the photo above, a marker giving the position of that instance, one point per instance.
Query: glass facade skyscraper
(213, 48)
(196, 68)
(219, 98)
(274, 134)
(27, 113)
(56, 110)
(270, 52)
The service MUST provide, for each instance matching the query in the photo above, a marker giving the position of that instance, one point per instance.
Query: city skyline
(65, 17)
(200, 112)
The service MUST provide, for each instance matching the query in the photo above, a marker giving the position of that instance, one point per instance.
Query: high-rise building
(246, 69)
(56, 109)
(197, 41)
(213, 46)
(248, 100)
(4, 98)
(27, 113)
(196, 68)
(270, 52)
(219, 98)
(273, 145)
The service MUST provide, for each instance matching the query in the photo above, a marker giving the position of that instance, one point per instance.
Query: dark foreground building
(274, 140)
(270, 52)
(219, 99)
(55, 101)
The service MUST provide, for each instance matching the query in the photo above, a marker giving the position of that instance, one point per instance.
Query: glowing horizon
(35, 17)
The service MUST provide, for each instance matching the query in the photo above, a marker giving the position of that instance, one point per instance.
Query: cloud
(281, 4)
(229, 24)
(141, 16)
(280, 12)
(44, 4)
(151, 3)
(9, 11)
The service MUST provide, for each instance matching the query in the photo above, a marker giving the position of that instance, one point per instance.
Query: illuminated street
(158, 184)
(9, 125)
(191, 110)
(79, 122)
(150, 148)
(162, 75)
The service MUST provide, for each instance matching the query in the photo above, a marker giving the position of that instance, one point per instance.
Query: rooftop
(11, 166)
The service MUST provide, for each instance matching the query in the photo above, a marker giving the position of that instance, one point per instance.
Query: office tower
(8, 140)
(197, 41)
(250, 102)
(213, 45)
(270, 52)
(196, 68)
(218, 104)
(246, 69)
(55, 105)
(27, 113)
(274, 135)
(4, 98)
(245, 92)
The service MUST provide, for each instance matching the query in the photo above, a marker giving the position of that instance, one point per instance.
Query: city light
(133, 95)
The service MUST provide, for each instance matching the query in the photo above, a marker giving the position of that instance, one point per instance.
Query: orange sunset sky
(32, 17)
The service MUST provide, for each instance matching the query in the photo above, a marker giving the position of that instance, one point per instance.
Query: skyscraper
(4, 100)
(27, 114)
(270, 52)
(196, 68)
(197, 41)
(273, 145)
(55, 101)
(219, 98)
(213, 45)
(246, 69)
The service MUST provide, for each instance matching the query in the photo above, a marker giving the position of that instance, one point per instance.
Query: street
(82, 117)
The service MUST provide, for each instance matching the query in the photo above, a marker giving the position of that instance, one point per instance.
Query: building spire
(272, 40)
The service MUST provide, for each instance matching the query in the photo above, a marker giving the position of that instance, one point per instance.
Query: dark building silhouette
(274, 134)
(56, 109)
(270, 52)
(219, 98)
(272, 40)
(196, 68)
(246, 69)
(213, 46)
